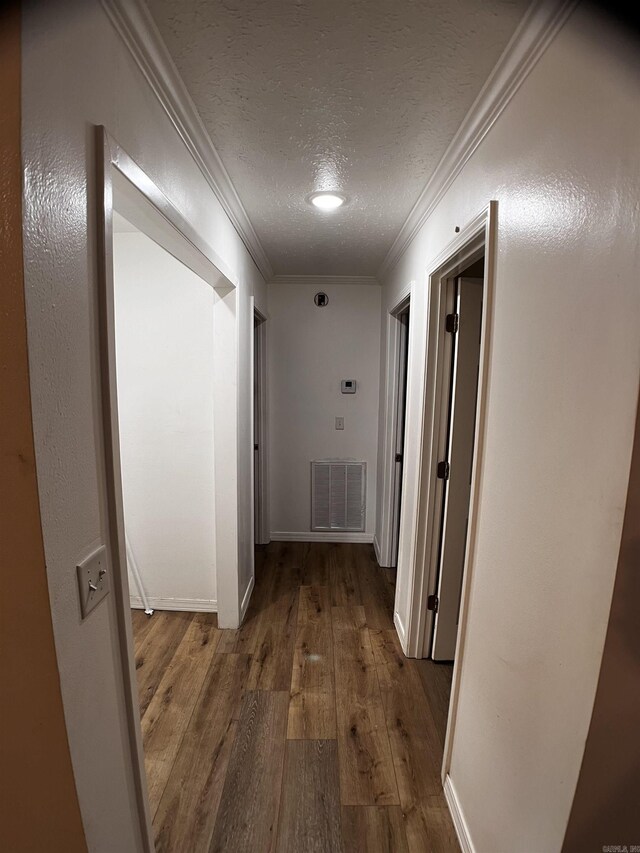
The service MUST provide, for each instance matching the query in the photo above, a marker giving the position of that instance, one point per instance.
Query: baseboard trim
(246, 598)
(376, 548)
(383, 562)
(317, 536)
(402, 634)
(457, 816)
(192, 605)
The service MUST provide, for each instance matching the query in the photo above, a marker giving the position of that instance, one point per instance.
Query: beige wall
(310, 350)
(605, 808)
(77, 73)
(165, 357)
(39, 806)
(562, 162)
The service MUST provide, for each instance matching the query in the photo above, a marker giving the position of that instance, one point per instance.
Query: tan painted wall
(78, 73)
(605, 809)
(562, 163)
(38, 804)
(311, 349)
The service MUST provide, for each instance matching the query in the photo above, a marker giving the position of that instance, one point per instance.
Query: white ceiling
(358, 95)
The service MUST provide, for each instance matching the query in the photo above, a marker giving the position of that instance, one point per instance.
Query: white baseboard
(376, 548)
(319, 536)
(246, 598)
(402, 634)
(195, 605)
(460, 824)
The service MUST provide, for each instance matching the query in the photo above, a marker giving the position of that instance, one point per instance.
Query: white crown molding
(537, 29)
(324, 280)
(134, 23)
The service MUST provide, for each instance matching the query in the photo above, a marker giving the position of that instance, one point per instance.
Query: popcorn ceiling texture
(360, 95)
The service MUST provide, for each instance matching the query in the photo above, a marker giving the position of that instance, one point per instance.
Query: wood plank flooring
(304, 730)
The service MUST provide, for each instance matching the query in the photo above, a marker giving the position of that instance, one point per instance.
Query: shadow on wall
(605, 808)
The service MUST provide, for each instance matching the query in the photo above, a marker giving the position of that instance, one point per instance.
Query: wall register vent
(338, 495)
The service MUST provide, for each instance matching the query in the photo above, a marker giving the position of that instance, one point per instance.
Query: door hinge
(432, 603)
(452, 323)
(398, 457)
(443, 470)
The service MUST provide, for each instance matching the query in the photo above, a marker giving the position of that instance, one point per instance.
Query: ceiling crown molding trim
(324, 280)
(134, 23)
(536, 31)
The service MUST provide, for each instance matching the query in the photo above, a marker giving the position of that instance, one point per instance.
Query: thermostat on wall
(348, 386)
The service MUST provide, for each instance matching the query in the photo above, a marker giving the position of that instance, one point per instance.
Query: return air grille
(338, 495)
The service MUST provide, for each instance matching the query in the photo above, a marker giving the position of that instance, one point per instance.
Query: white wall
(164, 351)
(78, 73)
(310, 350)
(562, 161)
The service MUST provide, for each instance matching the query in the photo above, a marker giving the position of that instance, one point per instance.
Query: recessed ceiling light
(327, 201)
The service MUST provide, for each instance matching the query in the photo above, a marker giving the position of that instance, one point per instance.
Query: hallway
(305, 729)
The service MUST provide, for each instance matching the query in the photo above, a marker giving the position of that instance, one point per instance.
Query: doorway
(164, 370)
(461, 365)
(452, 415)
(260, 440)
(164, 333)
(402, 317)
(133, 435)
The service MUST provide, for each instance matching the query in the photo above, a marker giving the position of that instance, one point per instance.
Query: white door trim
(147, 207)
(261, 532)
(461, 410)
(475, 239)
(390, 409)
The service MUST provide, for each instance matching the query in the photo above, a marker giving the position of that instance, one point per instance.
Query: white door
(401, 402)
(462, 418)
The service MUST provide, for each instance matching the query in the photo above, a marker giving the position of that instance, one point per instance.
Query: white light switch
(339, 423)
(93, 580)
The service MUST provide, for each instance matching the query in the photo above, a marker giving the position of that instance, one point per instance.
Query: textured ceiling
(358, 95)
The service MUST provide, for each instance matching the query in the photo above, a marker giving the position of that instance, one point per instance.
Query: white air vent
(338, 495)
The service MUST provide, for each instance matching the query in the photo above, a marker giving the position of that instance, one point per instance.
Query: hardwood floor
(304, 730)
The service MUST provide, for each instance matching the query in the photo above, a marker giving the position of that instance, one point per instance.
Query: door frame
(384, 546)
(449, 404)
(262, 526)
(402, 377)
(476, 238)
(118, 175)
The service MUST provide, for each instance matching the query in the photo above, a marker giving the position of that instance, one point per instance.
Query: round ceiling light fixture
(327, 201)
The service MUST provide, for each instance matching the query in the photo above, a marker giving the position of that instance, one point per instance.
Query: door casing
(262, 527)
(461, 406)
(475, 239)
(384, 544)
(140, 200)
(402, 318)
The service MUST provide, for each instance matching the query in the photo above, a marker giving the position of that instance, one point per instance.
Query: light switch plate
(339, 423)
(93, 580)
